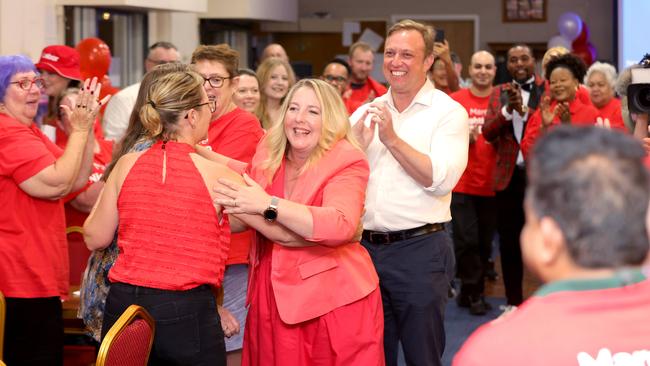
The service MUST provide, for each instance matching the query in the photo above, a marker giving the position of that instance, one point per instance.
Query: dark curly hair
(570, 62)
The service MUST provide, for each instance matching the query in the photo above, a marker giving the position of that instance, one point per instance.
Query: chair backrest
(3, 316)
(78, 253)
(129, 340)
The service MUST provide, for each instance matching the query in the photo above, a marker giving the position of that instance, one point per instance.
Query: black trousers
(188, 327)
(474, 222)
(510, 203)
(34, 332)
(414, 277)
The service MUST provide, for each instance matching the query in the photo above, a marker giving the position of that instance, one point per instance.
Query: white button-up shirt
(435, 125)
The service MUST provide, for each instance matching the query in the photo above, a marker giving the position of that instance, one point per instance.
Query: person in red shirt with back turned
(586, 237)
(473, 207)
(362, 88)
(234, 133)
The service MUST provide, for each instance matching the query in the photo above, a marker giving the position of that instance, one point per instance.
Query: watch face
(270, 214)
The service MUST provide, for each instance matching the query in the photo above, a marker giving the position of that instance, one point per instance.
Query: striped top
(169, 236)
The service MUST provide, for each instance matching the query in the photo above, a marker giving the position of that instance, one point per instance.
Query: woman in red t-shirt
(34, 175)
(173, 241)
(600, 81)
(561, 104)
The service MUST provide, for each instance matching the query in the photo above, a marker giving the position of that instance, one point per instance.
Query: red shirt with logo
(235, 135)
(33, 247)
(573, 322)
(356, 97)
(478, 177)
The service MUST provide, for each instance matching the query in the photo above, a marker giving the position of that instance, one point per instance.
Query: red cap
(62, 60)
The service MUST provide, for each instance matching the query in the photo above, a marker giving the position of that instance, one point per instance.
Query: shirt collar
(424, 96)
(621, 278)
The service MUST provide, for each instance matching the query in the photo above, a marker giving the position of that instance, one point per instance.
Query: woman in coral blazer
(314, 293)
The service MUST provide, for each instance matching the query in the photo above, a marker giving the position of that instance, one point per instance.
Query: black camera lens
(643, 98)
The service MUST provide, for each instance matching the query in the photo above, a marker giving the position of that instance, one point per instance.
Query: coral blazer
(311, 281)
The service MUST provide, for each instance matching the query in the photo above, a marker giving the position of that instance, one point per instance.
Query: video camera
(638, 92)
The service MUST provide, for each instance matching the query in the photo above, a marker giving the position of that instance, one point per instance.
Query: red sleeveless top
(169, 235)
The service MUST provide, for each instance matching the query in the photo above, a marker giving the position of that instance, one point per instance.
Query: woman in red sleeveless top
(314, 296)
(173, 241)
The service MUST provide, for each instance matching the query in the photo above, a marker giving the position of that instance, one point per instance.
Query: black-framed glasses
(161, 62)
(212, 104)
(26, 84)
(338, 79)
(215, 81)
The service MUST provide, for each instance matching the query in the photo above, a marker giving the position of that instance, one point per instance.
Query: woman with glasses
(34, 175)
(276, 78)
(173, 242)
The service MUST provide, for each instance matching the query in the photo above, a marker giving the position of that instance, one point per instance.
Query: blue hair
(10, 66)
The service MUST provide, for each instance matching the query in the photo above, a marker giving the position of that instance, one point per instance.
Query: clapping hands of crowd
(561, 110)
(379, 118)
(83, 114)
(515, 101)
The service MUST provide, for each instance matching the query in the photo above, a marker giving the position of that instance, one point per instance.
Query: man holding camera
(511, 104)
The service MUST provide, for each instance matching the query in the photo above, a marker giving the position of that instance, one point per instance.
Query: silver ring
(234, 203)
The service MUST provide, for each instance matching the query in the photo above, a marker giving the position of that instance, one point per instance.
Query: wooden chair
(129, 340)
(3, 316)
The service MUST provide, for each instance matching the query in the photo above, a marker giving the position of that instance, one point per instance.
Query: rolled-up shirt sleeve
(448, 151)
(336, 221)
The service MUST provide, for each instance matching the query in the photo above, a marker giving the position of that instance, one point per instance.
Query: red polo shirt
(235, 135)
(355, 98)
(479, 175)
(572, 322)
(33, 247)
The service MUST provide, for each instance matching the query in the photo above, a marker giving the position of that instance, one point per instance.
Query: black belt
(383, 237)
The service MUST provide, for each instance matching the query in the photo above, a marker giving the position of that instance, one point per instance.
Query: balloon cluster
(574, 35)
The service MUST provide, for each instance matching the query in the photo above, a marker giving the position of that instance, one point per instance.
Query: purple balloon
(559, 41)
(570, 25)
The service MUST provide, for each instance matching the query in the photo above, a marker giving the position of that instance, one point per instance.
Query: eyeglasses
(338, 79)
(212, 104)
(215, 81)
(26, 84)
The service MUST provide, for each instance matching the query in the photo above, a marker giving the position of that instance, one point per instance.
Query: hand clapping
(82, 116)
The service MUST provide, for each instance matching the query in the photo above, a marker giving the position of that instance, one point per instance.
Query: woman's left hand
(237, 199)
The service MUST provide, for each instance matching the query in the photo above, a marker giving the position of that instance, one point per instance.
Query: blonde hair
(169, 97)
(335, 126)
(264, 75)
(427, 32)
(552, 53)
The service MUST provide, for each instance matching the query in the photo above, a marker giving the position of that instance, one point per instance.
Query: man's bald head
(275, 50)
(482, 70)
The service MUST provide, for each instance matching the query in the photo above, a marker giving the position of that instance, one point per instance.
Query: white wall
(27, 26)
(596, 13)
(276, 10)
(181, 29)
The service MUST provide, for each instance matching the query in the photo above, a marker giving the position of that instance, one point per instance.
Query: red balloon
(583, 37)
(587, 52)
(94, 58)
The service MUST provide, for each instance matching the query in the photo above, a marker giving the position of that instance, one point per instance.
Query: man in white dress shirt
(416, 139)
(118, 110)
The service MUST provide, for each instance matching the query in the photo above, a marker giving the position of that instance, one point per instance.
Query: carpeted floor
(459, 324)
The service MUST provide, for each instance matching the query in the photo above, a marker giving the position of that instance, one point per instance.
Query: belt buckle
(379, 238)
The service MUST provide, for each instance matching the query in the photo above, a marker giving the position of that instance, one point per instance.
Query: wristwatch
(271, 212)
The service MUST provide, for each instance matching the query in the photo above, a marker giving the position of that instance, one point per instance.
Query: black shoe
(479, 306)
(462, 300)
(490, 273)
